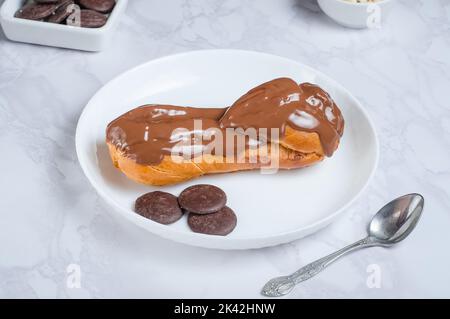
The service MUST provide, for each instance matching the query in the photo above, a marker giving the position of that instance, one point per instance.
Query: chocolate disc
(158, 206)
(35, 11)
(219, 223)
(103, 6)
(62, 12)
(91, 19)
(202, 199)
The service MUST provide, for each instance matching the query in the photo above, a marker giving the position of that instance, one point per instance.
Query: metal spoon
(393, 223)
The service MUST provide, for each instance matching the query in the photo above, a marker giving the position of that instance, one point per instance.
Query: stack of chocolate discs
(204, 204)
(83, 13)
(207, 211)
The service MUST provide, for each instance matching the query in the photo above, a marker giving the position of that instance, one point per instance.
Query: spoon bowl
(395, 221)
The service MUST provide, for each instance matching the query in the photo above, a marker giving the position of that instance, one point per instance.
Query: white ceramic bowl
(58, 35)
(356, 15)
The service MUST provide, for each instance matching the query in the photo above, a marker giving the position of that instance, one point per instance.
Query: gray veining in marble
(50, 217)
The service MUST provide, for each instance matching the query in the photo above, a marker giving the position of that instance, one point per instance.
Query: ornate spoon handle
(283, 285)
(312, 269)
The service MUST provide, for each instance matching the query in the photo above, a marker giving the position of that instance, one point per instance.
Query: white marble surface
(51, 217)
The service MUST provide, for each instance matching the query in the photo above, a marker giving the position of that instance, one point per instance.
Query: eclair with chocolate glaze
(277, 125)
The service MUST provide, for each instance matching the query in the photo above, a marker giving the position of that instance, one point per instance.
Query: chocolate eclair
(277, 125)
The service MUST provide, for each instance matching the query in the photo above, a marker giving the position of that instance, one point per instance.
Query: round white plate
(271, 209)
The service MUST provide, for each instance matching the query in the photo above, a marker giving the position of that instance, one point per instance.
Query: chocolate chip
(35, 11)
(62, 12)
(202, 199)
(103, 6)
(220, 223)
(91, 19)
(159, 206)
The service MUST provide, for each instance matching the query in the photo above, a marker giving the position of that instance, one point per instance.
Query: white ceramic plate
(271, 209)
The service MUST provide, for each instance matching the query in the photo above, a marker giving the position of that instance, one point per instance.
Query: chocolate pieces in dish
(81, 13)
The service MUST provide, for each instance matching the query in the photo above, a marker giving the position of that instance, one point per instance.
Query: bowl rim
(360, 4)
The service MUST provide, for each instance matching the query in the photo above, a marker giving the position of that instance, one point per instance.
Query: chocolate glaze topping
(149, 132)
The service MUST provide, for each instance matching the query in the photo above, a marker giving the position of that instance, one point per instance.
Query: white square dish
(58, 35)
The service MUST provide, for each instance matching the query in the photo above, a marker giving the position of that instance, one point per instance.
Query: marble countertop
(54, 224)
